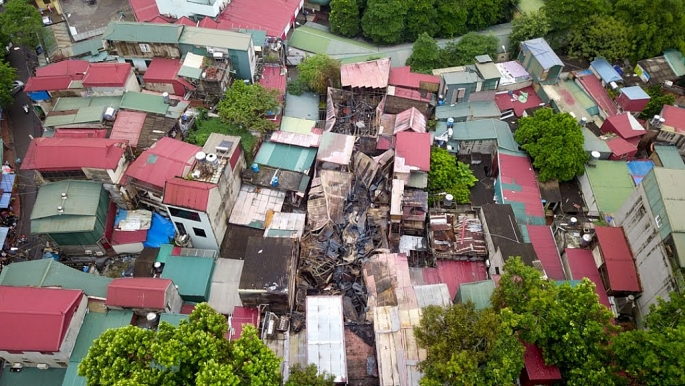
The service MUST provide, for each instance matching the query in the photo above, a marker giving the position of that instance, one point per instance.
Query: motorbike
(26, 109)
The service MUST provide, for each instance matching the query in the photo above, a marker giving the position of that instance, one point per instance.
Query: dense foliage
(308, 376)
(204, 127)
(468, 346)
(344, 17)
(421, 18)
(194, 353)
(7, 75)
(656, 102)
(555, 143)
(449, 176)
(602, 36)
(319, 72)
(248, 105)
(528, 26)
(426, 55)
(21, 23)
(383, 21)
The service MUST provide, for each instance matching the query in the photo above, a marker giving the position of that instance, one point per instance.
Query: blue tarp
(605, 70)
(121, 215)
(639, 169)
(161, 232)
(6, 185)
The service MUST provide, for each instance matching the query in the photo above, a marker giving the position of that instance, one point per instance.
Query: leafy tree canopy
(344, 17)
(484, 13)
(319, 72)
(451, 18)
(565, 15)
(308, 376)
(601, 36)
(528, 26)
(425, 54)
(8, 74)
(555, 142)
(449, 176)
(194, 353)
(421, 18)
(656, 102)
(468, 346)
(384, 21)
(467, 48)
(247, 105)
(21, 23)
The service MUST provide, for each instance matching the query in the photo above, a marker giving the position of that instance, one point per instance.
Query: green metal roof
(59, 120)
(297, 125)
(482, 129)
(288, 157)
(190, 72)
(468, 110)
(192, 276)
(30, 376)
(72, 378)
(75, 103)
(90, 46)
(611, 184)
(258, 36)
(129, 31)
(206, 37)
(581, 96)
(669, 157)
(676, 61)
(50, 273)
(679, 242)
(671, 184)
(79, 209)
(305, 106)
(173, 319)
(592, 143)
(321, 42)
(477, 292)
(140, 101)
(164, 253)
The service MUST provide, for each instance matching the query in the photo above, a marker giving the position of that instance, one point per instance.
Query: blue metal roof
(635, 93)
(638, 169)
(605, 70)
(7, 185)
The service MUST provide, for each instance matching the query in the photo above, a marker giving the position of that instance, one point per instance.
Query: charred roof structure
(456, 235)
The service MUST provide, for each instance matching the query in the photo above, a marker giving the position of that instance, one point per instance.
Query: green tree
(601, 36)
(194, 353)
(21, 23)
(425, 54)
(528, 26)
(484, 13)
(467, 48)
(344, 17)
(8, 74)
(308, 376)
(451, 20)
(565, 15)
(247, 105)
(319, 72)
(656, 102)
(468, 346)
(449, 176)
(421, 19)
(555, 142)
(383, 21)
(667, 313)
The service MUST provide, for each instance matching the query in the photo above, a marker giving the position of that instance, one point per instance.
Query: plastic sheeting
(161, 232)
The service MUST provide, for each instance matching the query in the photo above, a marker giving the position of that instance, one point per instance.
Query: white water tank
(449, 200)
(594, 157)
(200, 156)
(212, 158)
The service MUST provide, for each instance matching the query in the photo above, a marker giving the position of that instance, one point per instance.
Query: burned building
(355, 112)
(456, 235)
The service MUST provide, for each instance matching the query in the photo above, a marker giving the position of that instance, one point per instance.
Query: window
(145, 48)
(186, 214)
(496, 270)
(181, 228)
(199, 232)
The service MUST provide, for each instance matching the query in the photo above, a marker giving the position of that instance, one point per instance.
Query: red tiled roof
(618, 259)
(410, 119)
(161, 70)
(138, 292)
(241, 315)
(674, 117)
(415, 148)
(535, 367)
(80, 133)
(120, 237)
(47, 83)
(274, 16)
(371, 74)
(519, 171)
(505, 101)
(208, 22)
(624, 125)
(187, 194)
(620, 147)
(545, 247)
(107, 75)
(127, 126)
(144, 10)
(166, 159)
(185, 21)
(407, 93)
(582, 264)
(593, 87)
(403, 77)
(36, 319)
(272, 79)
(73, 68)
(73, 153)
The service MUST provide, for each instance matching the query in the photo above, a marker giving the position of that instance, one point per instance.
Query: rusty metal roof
(335, 148)
(371, 74)
(410, 119)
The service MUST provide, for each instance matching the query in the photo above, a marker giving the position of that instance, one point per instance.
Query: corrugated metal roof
(482, 129)
(669, 157)
(460, 77)
(192, 65)
(248, 14)
(414, 148)
(618, 259)
(268, 265)
(592, 143)
(371, 74)
(48, 83)
(674, 117)
(605, 71)
(73, 153)
(335, 148)
(620, 147)
(289, 157)
(543, 53)
(297, 125)
(639, 168)
(140, 101)
(36, 319)
(135, 32)
(6, 188)
(611, 184)
(468, 111)
(74, 68)
(535, 367)
(676, 61)
(75, 103)
(546, 249)
(478, 293)
(35, 376)
(166, 159)
(433, 295)
(162, 69)
(145, 10)
(223, 296)
(191, 275)
(410, 119)
(290, 225)
(80, 133)
(316, 41)
(128, 126)
(217, 38)
(50, 273)
(326, 335)
(519, 185)
(305, 106)
(107, 75)
(488, 70)
(290, 138)
(518, 100)
(582, 265)
(634, 93)
(94, 324)
(138, 292)
(187, 193)
(403, 77)
(79, 209)
(252, 205)
(593, 87)
(672, 188)
(273, 78)
(624, 125)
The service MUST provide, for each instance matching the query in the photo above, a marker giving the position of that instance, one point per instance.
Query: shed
(674, 119)
(539, 60)
(403, 77)
(625, 125)
(478, 293)
(633, 99)
(288, 157)
(604, 71)
(621, 149)
(618, 270)
(335, 148)
(606, 186)
(191, 275)
(138, 293)
(410, 119)
(326, 336)
(667, 156)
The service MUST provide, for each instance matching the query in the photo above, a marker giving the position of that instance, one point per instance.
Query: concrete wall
(56, 359)
(494, 255)
(208, 242)
(588, 195)
(173, 301)
(107, 175)
(160, 87)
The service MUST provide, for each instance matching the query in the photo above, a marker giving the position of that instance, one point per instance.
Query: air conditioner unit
(42, 366)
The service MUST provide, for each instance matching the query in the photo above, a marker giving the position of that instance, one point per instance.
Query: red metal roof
(159, 20)
(545, 247)
(166, 159)
(162, 70)
(517, 170)
(187, 193)
(674, 117)
(594, 87)
(620, 148)
(36, 319)
(73, 153)
(240, 316)
(410, 119)
(128, 126)
(618, 258)
(208, 22)
(403, 77)
(138, 292)
(582, 264)
(535, 367)
(185, 21)
(371, 74)
(407, 93)
(273, 16)
(48, 83)
(506, 101)
(80, 133)
(455, 273)
(624, 125)
(273, 79)
(144, 10)
(107, 75)
(76, 69)
(415, 148)
(128, 237)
